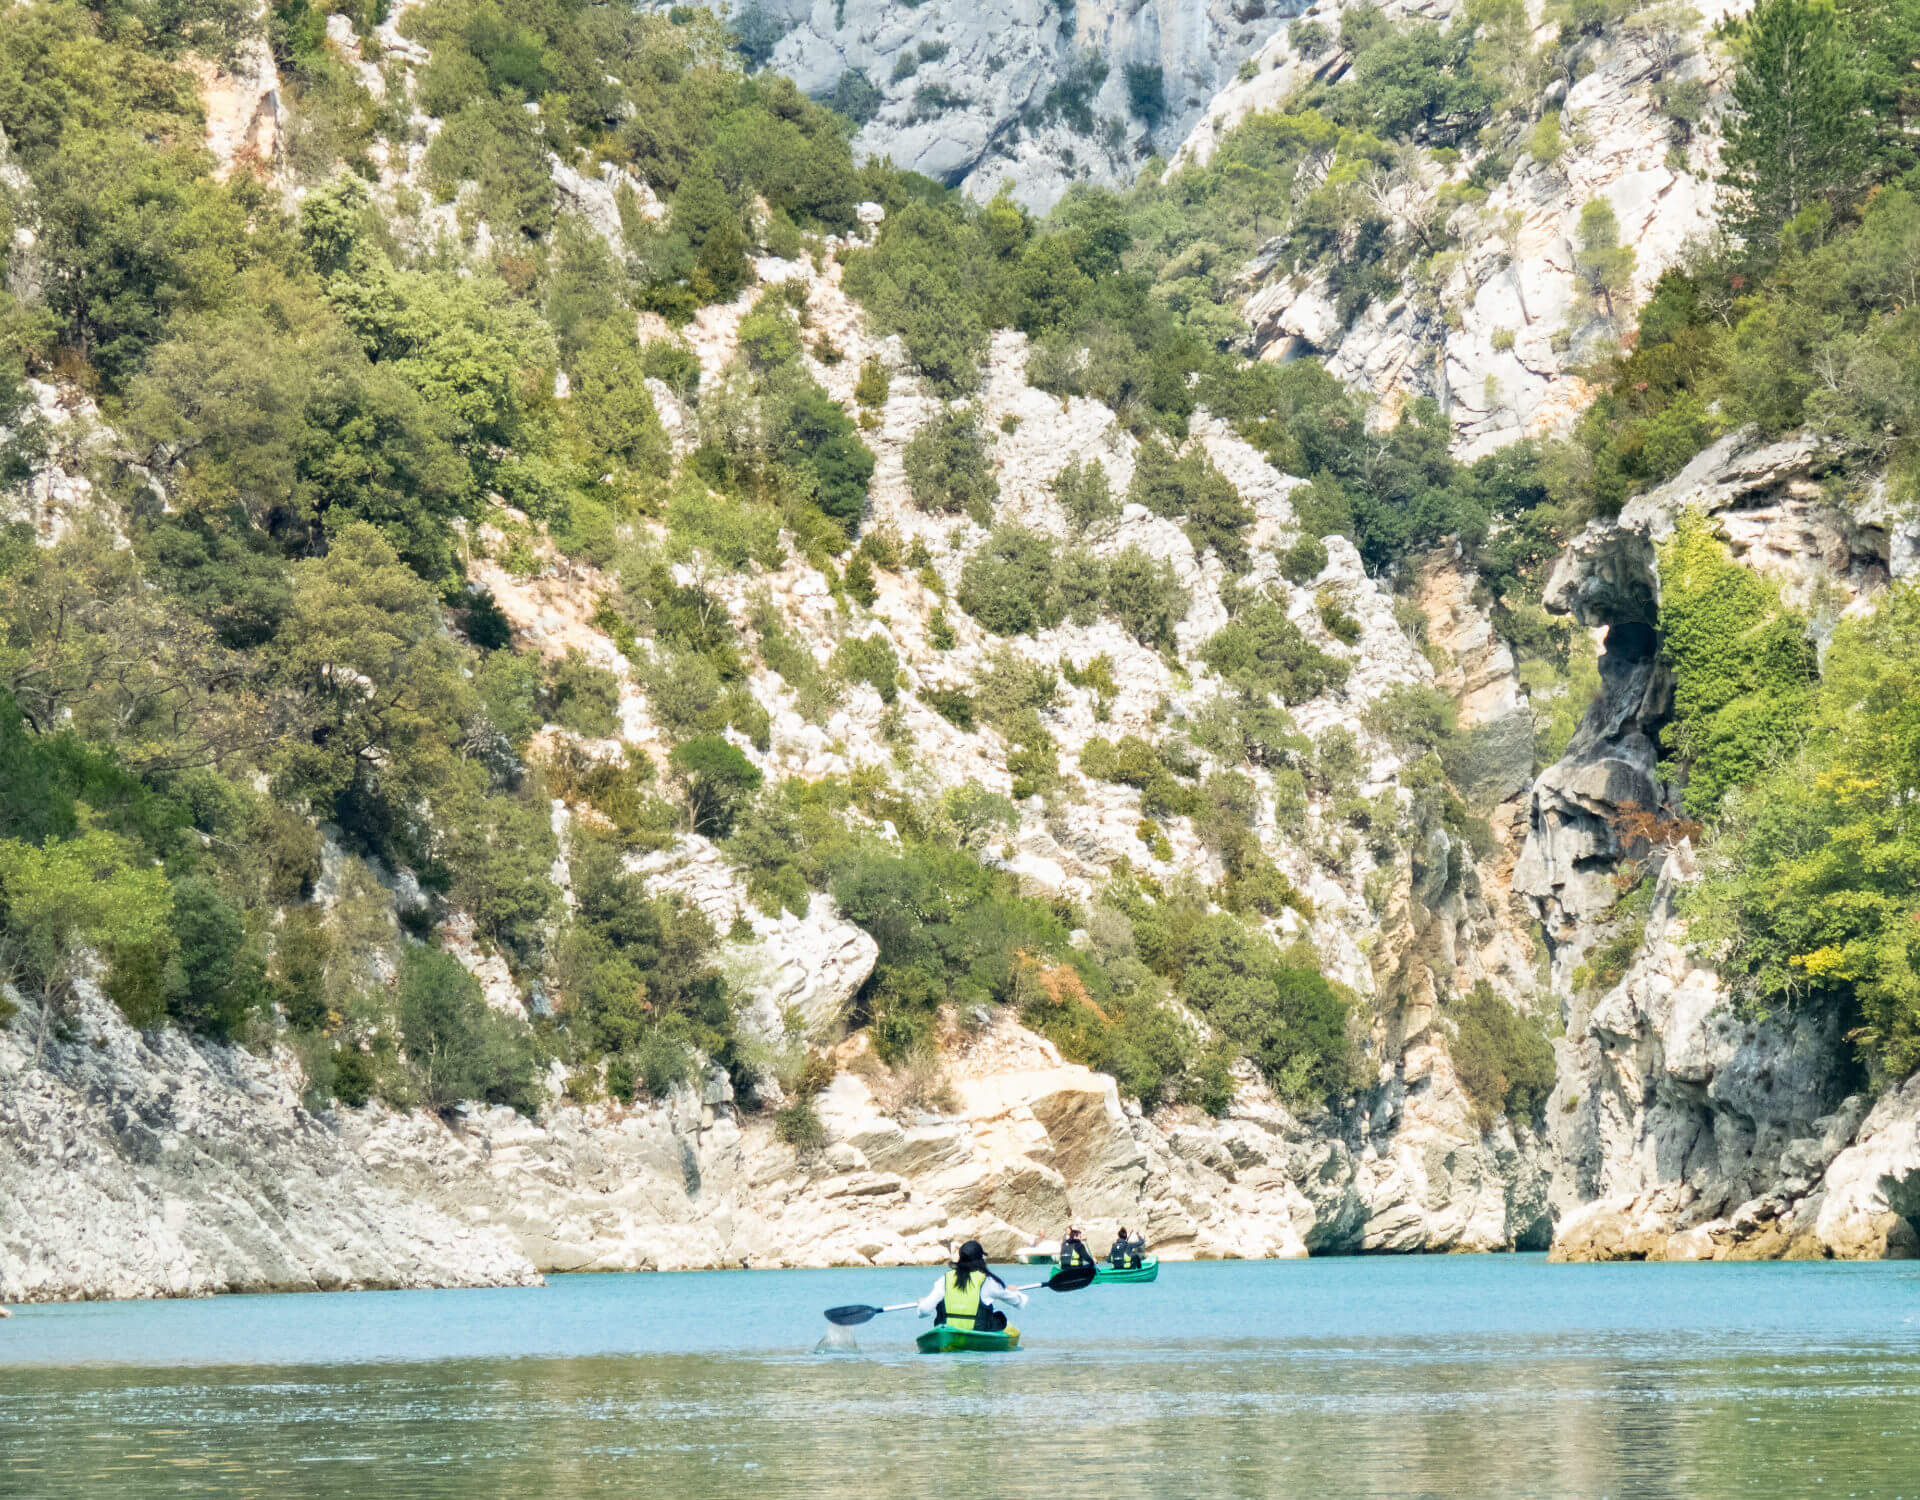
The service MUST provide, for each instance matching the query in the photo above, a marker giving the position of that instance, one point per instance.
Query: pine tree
(1798, 134)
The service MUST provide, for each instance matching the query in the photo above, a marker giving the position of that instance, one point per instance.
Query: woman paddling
(963, 1295)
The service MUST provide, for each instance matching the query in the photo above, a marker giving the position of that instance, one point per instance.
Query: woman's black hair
(972, 1257)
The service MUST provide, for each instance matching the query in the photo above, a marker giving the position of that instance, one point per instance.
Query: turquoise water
(1461, 1376)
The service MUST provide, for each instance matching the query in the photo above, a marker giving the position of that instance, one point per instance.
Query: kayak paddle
(1069, 1280)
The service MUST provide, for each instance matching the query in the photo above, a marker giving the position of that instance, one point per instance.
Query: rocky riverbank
(146, 1165)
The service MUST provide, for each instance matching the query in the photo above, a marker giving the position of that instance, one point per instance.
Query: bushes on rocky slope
(1500, 1056)
(1813, 875)
(332, 411)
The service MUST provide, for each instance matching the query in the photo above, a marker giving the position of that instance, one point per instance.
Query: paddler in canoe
(1073, 1250)
(966, 1292)
(1126, 1252)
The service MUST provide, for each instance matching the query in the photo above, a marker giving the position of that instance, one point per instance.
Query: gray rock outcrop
(147, 1165)
(1037, 93)
(1681, 1128)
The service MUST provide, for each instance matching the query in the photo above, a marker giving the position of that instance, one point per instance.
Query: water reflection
(1500, 1377)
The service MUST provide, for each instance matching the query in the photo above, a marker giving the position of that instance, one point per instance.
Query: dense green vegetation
(1814, 874)
(334, 407)
(342, 408)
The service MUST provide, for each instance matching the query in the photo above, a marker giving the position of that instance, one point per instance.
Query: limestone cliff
(1039, 94)
(1498, 336)
(149, 1164)
(1681, 1129)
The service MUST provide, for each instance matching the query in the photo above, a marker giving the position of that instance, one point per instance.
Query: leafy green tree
(610, 406)
(706, 215)
(213, 979)
(1502, 1059)
(1742, 665)
(1603, 264)
(131, 236)
(369, 660)
(1797, 134)
(815, 432)
(1288, 1019)
(1808, 890)
(718, 779)
(950, 466)
(457, 1047)
(62, 901)
(499, 850)
(920, 280)
(855, 96)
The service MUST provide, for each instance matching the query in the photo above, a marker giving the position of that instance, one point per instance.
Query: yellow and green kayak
(946, 1339)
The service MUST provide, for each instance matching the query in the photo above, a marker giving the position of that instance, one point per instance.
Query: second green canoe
(946, 1339)
(1147, 1270)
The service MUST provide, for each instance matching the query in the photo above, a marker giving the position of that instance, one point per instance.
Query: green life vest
(963, 1306)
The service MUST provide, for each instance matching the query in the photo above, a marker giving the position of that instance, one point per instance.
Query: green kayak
(946, 1339)
(1147, 1270)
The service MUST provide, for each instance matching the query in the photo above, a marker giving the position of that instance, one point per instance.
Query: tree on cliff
(1798, 134)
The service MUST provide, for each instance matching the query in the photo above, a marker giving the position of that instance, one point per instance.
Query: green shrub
(873, 387)
(1146, 596)
(1304, 561)
(1190, 487)
(952, 704)
(870, 659)
(1084, 492)
(815, 433)
(857, 580)
(718, 781)
(1261, 651)
(856, 97)
(798, 1125)
(458, 1048)
(949, 468)
(1502, 1060)
(1338, 619)
(1012, 688)
(583, 697)
(1285, 1016)
(1412, 717)
(1010, 585)
(1742, 665)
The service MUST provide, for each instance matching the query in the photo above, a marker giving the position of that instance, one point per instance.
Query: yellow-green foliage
(1810, 889)
(1503, 1060)
(1741, 665)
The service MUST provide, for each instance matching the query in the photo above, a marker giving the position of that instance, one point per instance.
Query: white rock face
(1681, 1129)
(1024, 1144)
(58, 493)
(243, 106)
(994, 106)
(1496, 344)
(807, 966)
(139, 1165)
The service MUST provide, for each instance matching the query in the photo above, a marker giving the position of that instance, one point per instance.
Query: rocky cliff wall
(1037, 94)
(144, 1165)
(1499, 334)
(1680, 1128)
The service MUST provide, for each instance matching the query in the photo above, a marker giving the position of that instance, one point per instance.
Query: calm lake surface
(1463, 1376)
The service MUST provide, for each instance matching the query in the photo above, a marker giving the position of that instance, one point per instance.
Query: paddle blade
(1071, 1279)
(854, 1313)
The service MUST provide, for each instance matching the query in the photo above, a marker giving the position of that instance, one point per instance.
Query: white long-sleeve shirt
(1006, 1296)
